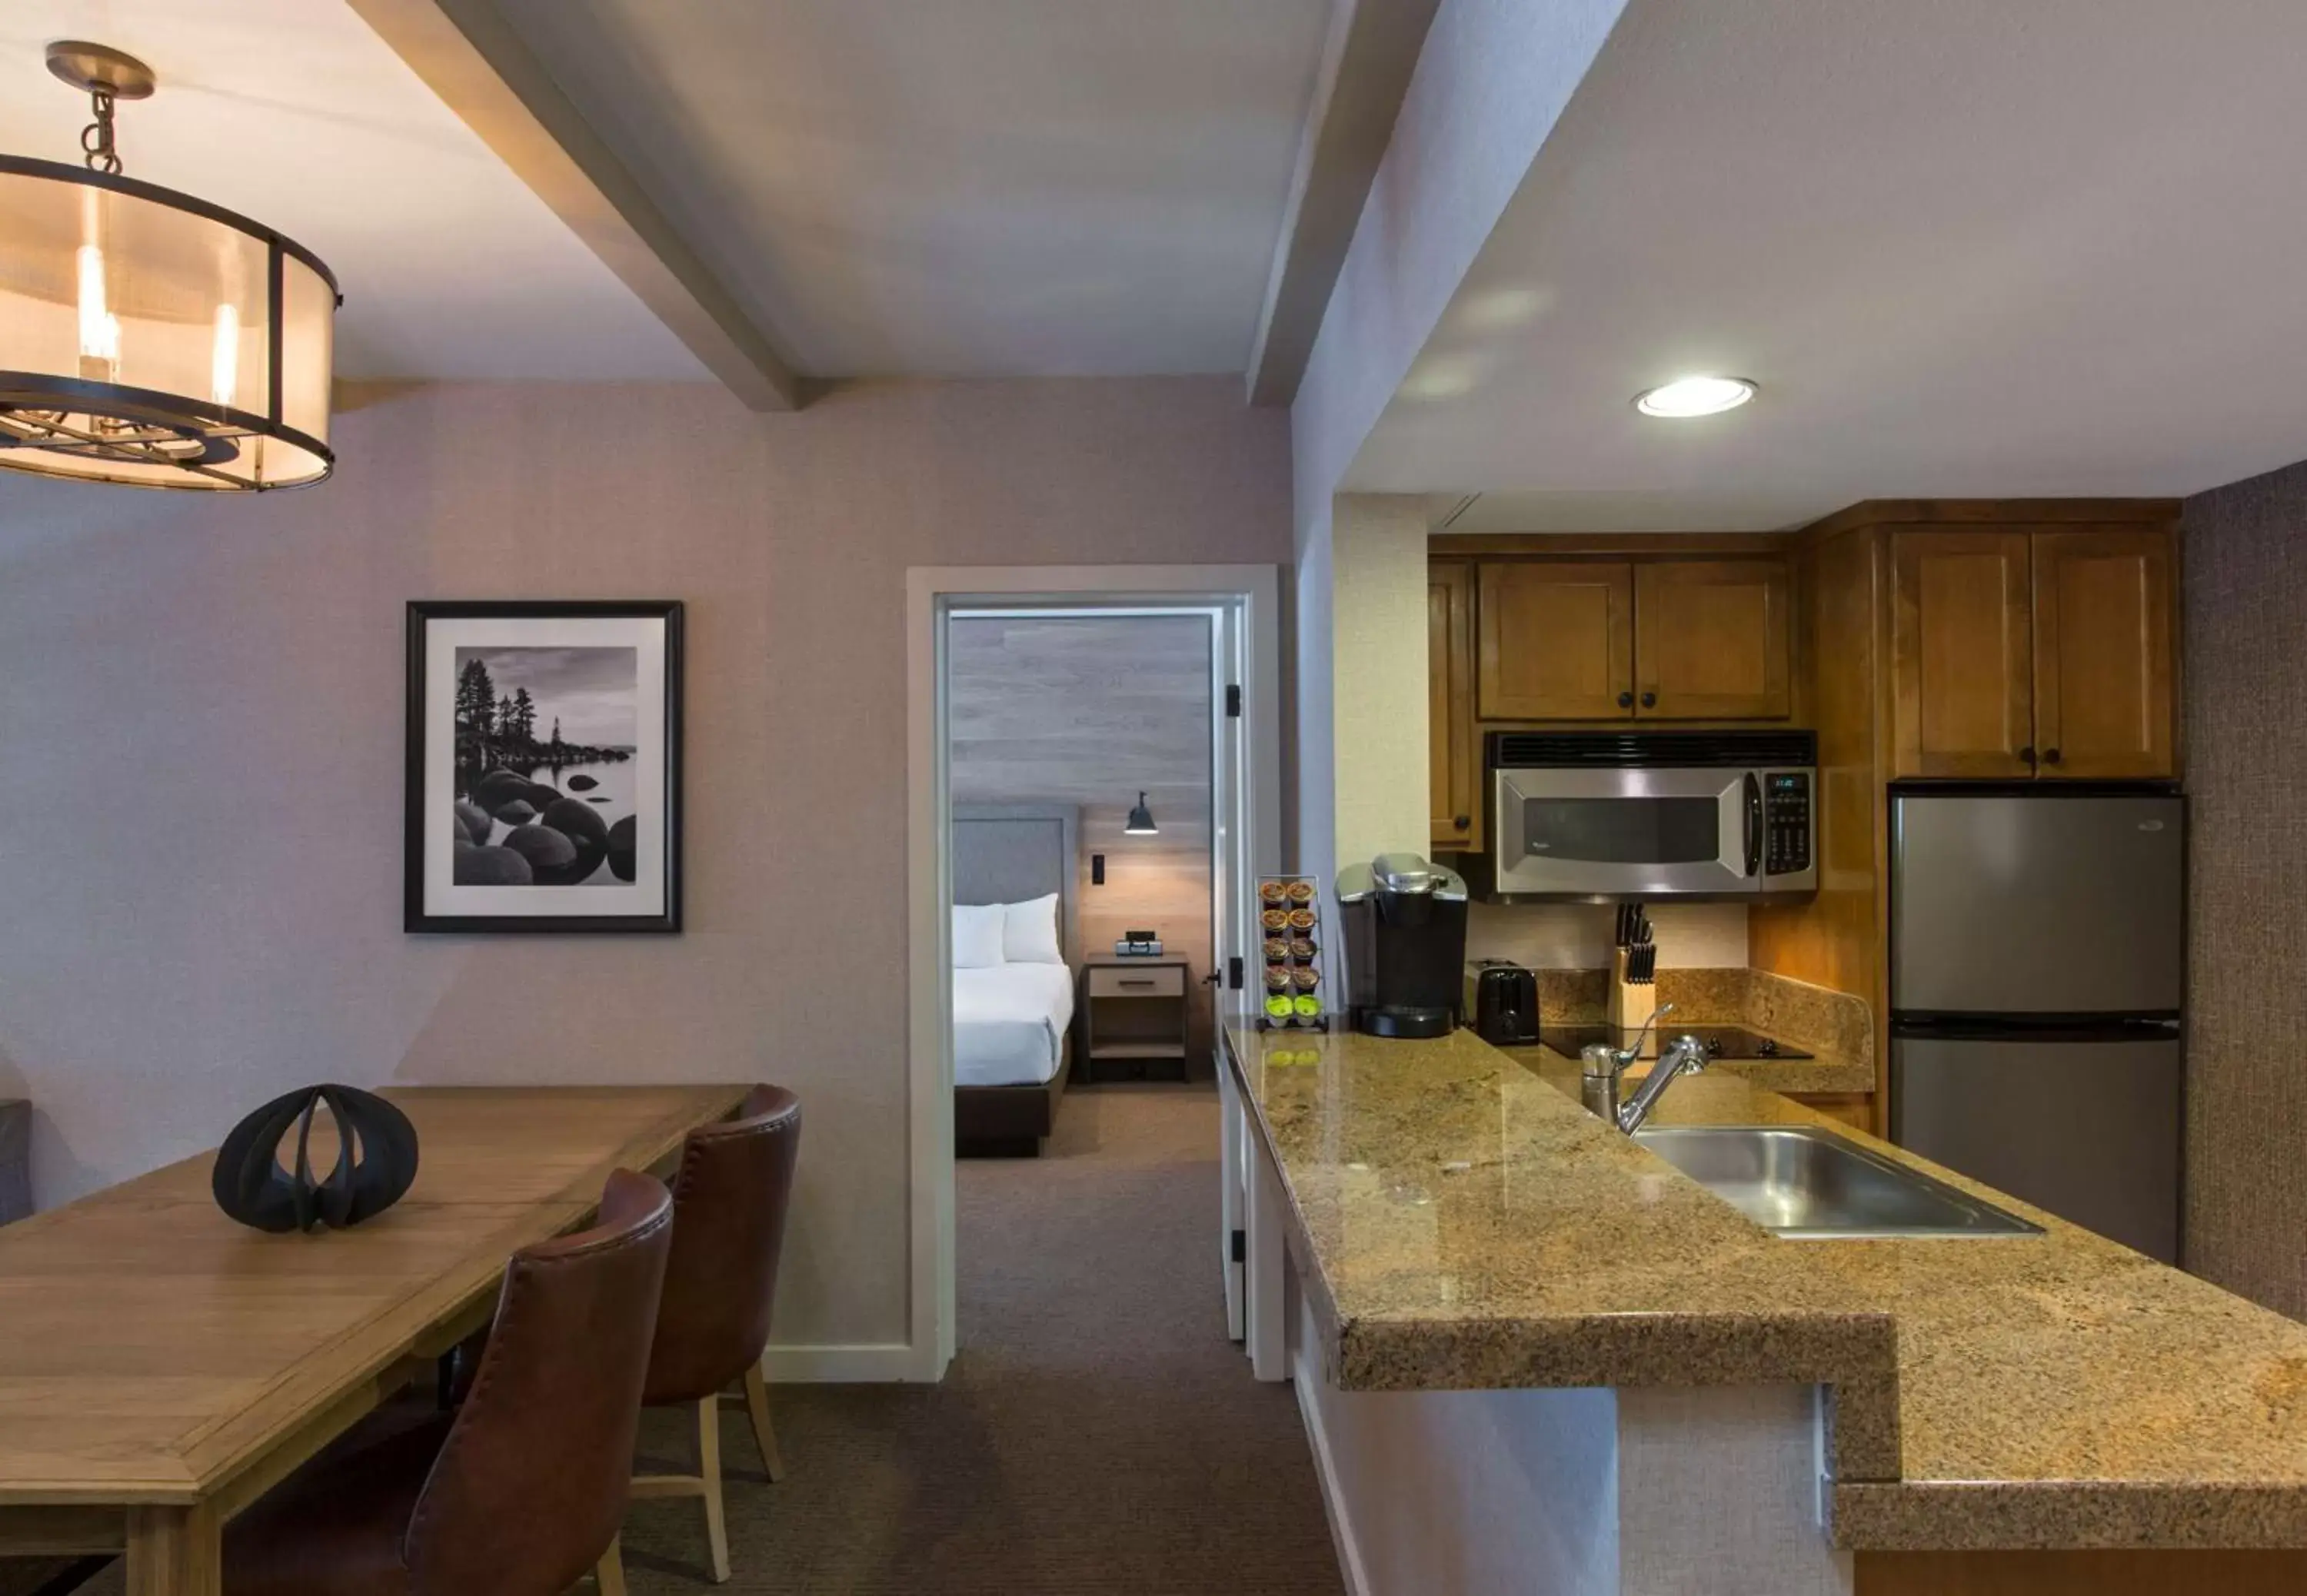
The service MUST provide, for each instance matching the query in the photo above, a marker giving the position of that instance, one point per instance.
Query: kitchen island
(1694, 1403)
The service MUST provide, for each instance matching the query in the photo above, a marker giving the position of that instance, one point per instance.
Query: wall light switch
(1097, 869)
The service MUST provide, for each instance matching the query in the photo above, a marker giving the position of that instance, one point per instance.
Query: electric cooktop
(1722, 1041)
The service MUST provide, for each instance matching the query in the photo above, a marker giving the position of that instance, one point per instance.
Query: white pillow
(977, 936)
(1029, 932)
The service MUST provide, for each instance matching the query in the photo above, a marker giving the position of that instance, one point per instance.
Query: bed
(1013, 1023)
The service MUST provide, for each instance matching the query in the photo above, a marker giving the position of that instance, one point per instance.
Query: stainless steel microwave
(1608, 815)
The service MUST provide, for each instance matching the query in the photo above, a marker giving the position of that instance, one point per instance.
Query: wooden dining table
(162, 1366)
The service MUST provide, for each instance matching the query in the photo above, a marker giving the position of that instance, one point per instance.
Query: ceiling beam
(1366, 65)
(469, 55)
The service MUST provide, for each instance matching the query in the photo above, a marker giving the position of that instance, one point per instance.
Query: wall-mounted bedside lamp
(1140, 822)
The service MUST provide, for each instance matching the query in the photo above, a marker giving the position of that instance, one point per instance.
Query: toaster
(1502, 1003)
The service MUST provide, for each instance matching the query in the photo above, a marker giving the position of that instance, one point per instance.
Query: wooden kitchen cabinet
(1663, 639)
(2041, 652)
(1554, 640)
(1455, 759)
(1962, 653)
(2103, 656)
(1712, 640)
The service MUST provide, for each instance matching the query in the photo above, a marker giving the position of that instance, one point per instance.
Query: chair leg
(609, 1573)
(756, 1400)
(708, 1469)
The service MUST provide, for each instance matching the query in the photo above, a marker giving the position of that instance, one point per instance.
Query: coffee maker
(1405, 929)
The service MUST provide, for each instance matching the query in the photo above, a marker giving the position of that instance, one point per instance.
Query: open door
(1233, 869)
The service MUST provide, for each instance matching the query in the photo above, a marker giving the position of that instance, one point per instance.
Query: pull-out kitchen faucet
(1604, 1065)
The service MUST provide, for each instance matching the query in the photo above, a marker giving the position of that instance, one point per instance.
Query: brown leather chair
(729, 1204)
(522, 1491)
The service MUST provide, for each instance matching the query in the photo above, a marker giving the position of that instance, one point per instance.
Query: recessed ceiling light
(1695, 395)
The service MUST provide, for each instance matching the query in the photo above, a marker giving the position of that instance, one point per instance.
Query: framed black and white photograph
(544, 766)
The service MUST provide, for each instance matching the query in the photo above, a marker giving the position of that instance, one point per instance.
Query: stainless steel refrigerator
(2038, 947)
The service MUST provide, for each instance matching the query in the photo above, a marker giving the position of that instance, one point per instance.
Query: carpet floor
(1098, 1435)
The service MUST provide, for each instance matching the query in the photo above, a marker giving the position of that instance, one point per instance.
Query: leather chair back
(530, 1487)
(729, 1204)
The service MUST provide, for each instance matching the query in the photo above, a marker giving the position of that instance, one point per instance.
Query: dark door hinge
(1233, 973)
(1233, 701)
(1241, 1246)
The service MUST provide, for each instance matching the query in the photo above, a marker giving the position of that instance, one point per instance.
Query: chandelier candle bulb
(224, 366)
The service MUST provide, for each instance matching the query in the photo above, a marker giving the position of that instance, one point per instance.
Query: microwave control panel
(1786, 820)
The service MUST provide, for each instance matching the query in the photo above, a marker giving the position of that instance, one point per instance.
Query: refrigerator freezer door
(2090, 1131)
(2036, 905)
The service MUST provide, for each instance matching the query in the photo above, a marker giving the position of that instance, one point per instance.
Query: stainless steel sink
(1809, 1184)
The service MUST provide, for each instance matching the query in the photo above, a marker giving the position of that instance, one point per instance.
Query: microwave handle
(1754, 826)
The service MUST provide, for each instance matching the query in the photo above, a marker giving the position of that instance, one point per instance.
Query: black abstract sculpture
(376, 1163)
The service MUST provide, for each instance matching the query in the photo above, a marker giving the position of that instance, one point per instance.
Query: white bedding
(1010, 1023)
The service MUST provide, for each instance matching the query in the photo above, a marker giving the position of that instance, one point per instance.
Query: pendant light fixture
(147, 337)
(1140, 822)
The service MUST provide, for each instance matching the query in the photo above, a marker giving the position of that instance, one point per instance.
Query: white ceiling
(961, 187)
(1967, 248)
(292, 113)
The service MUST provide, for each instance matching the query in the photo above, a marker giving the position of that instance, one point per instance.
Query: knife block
(1631, 1006)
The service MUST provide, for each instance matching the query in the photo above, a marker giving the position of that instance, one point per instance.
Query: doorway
(985, 853)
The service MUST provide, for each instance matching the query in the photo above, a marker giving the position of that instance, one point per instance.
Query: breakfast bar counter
(1456, 1221)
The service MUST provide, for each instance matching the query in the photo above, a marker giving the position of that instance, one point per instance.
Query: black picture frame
(421, 614)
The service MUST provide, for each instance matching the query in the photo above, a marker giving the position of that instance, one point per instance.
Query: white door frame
(930, 592)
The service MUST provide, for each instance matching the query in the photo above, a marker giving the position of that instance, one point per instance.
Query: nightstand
(1134, 1011)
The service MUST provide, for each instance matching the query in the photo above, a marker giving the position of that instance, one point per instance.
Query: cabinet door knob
(1461, 820)
(1625, 701)
(2050, 756)
(2028, 753)
(1649, 701)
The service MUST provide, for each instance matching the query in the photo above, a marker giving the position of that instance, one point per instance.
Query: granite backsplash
(1832, 1024)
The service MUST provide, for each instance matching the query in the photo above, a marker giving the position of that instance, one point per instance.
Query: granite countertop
(1460, 1222)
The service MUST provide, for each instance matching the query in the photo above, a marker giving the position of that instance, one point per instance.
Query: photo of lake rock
(545, 786)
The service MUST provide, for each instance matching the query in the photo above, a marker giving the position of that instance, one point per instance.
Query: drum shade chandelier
(147, 337)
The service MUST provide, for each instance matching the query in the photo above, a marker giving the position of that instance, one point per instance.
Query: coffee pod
(1273, 893)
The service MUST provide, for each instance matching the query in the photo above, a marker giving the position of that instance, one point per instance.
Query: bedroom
(1080, 751)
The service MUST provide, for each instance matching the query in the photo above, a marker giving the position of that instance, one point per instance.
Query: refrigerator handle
(1753, 826)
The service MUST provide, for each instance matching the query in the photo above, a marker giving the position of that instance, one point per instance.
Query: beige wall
(2245, 680)
(200, 715)
(1090, 712)
(1378, 651)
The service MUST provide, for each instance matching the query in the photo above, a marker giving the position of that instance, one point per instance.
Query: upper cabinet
(1556, 640)
(1455, 761)
(1643, 639)
(2102, 655)
(1961, 653)
(1712, 640)
(2033, 652)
